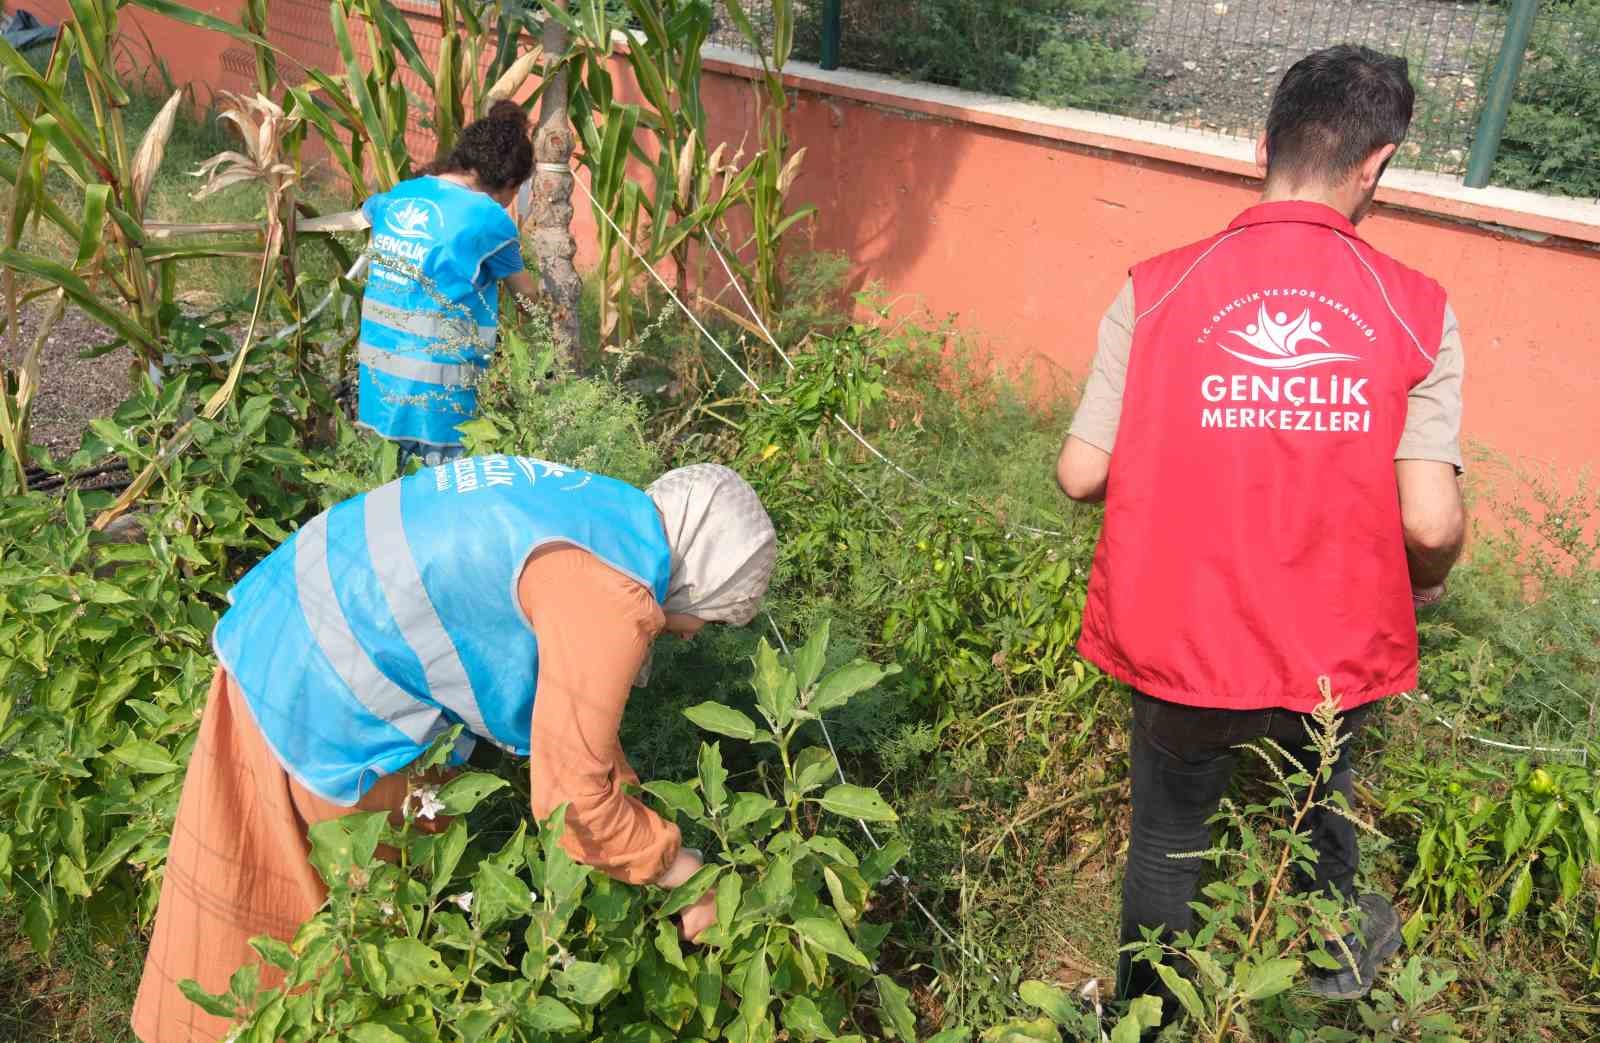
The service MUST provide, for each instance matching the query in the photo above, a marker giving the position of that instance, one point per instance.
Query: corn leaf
(188, 15)
(151, 151)
(82, 295)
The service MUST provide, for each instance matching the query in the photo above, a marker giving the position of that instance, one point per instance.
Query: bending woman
(441, 245)
(511, 596)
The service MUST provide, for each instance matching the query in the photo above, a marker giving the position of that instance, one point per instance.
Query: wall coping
(1528, 215)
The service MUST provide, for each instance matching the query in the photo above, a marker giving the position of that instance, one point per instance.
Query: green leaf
(145, 757)
(273, 951)
(550, 1015)
(82, 295)
(372, 1032)
(679, 797)
(69, 877)
(448, 847)
(813, 767)
(1048, 998)
(499, 895)
(370, 962)
(666, 942)
(713, 777)
(187, 14)
(691, 890)
(756, 989)
(857, 802)
(586, 984)
(1270, 978)
(411, 963)
(217, 1006)
(747, 808)
(1181, 988)
(774, 892)
(829, 936)
(1521, 892)
(722, 720)
(464, 792)
(1143, 1013)
(776, 693)
(847, 682)
(804, 1019)
(895, 1005)
(808, 662)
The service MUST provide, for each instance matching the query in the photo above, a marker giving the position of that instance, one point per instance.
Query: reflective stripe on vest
(454, 374)
(394, 614)
(419, 624)
(415, 719)
(429, 325)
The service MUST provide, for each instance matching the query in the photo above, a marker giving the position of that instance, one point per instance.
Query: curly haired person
(442, 244)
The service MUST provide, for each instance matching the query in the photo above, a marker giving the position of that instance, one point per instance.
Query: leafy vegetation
(1553, 132)
(1059, 52)
(942, 596)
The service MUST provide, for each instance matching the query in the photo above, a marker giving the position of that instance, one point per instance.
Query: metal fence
(1211, 65)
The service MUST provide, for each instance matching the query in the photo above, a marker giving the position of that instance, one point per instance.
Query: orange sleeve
(595, 627)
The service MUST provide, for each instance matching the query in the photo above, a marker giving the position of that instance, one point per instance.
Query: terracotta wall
(1026, 239)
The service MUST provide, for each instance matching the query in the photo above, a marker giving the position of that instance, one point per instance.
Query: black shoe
(1379, 940)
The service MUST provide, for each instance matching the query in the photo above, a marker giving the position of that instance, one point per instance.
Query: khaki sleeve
(595, 627)
(1433, 409)
(1100, 409)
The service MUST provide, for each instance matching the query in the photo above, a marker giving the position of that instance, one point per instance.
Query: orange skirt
(238, 867)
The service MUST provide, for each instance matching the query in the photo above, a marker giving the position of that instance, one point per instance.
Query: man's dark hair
(1335, 108)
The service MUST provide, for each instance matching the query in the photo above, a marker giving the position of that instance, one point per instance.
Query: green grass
(83, 993)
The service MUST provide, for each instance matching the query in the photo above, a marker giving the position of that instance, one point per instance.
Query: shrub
(1060, 52)
(1552, 135)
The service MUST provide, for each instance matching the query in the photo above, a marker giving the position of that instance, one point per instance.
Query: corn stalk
(115, 274)
(776, 167)
(264, 128)
(691, 187)
(363, 111)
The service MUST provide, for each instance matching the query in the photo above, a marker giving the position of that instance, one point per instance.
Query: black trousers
(1181, 762)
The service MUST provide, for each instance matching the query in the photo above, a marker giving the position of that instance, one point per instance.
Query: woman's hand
(702, 914)
(695, 919)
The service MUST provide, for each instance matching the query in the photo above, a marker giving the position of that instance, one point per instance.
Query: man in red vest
(1273, 421)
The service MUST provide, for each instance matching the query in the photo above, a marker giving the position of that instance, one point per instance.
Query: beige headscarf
(723, 543)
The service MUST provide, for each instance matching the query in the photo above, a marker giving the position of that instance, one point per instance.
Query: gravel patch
(72, 390)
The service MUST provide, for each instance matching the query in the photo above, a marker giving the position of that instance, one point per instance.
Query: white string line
(761, 324)
(1564, 751)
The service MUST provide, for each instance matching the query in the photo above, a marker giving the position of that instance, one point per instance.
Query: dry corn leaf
(791, 170)
(513, 79)
(151, 151)
(686, 167)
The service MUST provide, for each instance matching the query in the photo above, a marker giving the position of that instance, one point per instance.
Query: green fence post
(831, 31)
(1502, 84)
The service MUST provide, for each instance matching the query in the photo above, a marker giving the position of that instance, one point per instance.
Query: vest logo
(415, 219)
(1275, 342)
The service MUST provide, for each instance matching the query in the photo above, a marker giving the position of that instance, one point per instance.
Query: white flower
(428, 802)
(387, 909)
(463, 901)
(533, 896)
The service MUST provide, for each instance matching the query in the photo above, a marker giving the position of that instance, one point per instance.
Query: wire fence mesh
(1211, 65)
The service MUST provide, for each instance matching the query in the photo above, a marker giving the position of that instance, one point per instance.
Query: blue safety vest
(394, 615)
(431, 308)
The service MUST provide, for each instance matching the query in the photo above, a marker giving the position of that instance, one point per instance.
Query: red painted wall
(1026, 240)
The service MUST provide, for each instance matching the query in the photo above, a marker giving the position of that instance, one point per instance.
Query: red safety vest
(1252, 538)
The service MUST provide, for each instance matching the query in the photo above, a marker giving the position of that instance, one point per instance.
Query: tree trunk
(553, 244)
